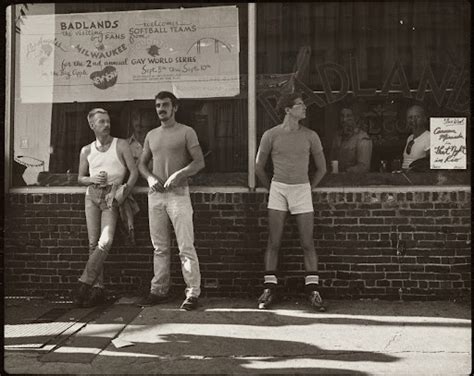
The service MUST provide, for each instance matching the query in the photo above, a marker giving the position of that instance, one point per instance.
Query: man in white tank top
(176, 155)
(103, 165)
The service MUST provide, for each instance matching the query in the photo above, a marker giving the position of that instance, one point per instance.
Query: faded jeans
(101, 222)
(175, 206)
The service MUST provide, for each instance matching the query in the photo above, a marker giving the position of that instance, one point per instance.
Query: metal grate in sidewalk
(88, 341)
(50, 327)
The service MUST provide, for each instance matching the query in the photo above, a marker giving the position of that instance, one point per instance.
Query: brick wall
(388, 245)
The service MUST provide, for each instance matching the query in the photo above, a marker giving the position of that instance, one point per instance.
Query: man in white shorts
(290, 145)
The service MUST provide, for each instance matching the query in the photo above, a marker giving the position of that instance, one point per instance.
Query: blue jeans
(174, 205)
(101, 222)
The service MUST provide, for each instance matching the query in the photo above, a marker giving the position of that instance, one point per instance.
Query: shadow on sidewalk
(289, 339)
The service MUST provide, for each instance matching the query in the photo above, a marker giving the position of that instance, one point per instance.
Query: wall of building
(32, 121)
(388, 243)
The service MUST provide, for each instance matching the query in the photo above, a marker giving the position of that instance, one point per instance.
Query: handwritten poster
(113, 56)
(448, 143)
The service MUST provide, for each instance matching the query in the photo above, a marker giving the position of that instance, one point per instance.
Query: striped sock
(270, 280)
(311, 282)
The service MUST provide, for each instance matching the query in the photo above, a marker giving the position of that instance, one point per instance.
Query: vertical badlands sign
(130, 55)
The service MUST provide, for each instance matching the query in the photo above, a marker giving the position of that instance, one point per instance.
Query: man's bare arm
(260, 164)
(130, 163)
(320, 162)
(83, 175)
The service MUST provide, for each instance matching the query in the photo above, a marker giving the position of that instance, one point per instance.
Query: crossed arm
(262, 157)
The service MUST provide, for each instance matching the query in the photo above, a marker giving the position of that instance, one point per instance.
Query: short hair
(167, 94)
(287, 100)
(423, 113)
(355, 111)
(94, 111)
(421, 108)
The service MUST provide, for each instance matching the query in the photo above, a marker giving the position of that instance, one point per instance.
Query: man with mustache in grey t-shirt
(176, 155)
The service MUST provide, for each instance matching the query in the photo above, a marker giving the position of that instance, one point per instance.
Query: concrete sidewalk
(231, 336)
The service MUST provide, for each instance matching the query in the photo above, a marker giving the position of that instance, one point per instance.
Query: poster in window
(114, 56)
(448, 143)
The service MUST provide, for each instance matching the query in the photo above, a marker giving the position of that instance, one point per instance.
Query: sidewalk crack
(391, 340)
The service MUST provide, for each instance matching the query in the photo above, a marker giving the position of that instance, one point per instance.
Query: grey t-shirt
(170, 149)
(290, 151)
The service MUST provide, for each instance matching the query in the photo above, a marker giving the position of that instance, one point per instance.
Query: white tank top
(107, 161)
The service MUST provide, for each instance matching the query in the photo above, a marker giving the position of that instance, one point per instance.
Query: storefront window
(376, 58)
(48, 136)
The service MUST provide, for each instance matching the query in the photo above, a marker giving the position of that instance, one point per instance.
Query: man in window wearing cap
(103, 165)
(290, 146)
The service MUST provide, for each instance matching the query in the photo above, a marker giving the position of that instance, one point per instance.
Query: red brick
(345, 221)
(397, 275)
(366, 276)
(422, 221)
(448, 276)
(436, 213)
(384, 213)
(412, 268)
(424, 205)
(396, 220)
(423, 276)
(49, 242)
(387, 268)
(461, 268)
(358, 213)
(445, 205)
(354, 241)
(411, 213)
(371, 221)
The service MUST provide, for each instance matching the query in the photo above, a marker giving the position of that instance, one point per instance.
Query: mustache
(162, 113)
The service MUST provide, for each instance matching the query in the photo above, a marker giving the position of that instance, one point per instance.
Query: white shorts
(295, 198)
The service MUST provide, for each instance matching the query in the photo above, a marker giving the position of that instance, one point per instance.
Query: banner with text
(448, 143)
(113, 56)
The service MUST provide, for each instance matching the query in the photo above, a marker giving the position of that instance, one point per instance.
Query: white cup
(335, 167)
